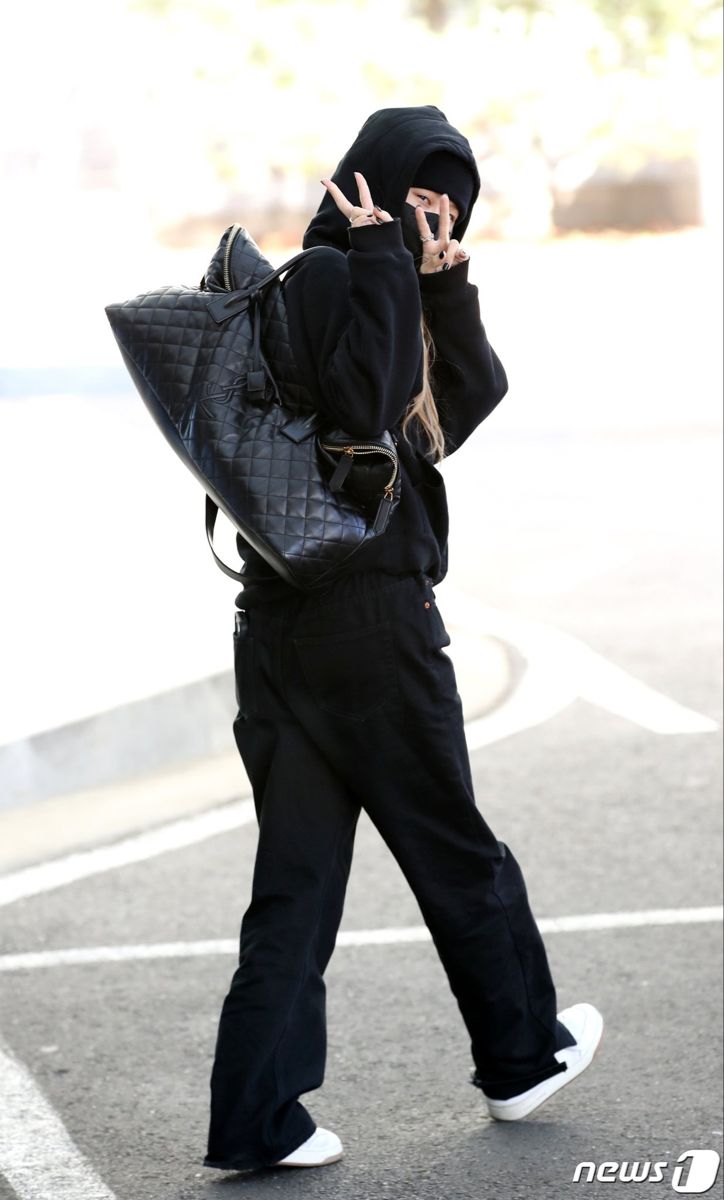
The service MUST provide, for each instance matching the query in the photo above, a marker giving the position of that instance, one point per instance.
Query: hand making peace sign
(364, 213)
(443, 252)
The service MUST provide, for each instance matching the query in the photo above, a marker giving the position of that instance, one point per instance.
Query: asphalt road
(605, 815)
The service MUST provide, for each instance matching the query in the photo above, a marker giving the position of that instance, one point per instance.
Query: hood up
(387, 151)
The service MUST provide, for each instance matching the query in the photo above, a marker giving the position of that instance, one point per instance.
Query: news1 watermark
(694, 1172)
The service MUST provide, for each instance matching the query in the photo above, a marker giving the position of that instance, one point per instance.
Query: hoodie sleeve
(354, 323)
(468, 378)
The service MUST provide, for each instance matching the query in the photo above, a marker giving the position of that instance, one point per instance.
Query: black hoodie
(354, 326)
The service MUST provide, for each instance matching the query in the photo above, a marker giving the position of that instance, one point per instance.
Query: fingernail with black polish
(446, 267)
(441, 254)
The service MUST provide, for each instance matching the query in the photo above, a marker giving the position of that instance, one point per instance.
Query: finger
(381, 213)
(423, 227)
(365, 196)
(444, 230)
(448, 258)
(343, 204)
(449, 220)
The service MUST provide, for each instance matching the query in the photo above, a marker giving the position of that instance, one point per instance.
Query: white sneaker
(321, 1148)
(585, 1023)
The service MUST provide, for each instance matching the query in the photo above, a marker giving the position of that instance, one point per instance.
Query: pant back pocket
(349, 673)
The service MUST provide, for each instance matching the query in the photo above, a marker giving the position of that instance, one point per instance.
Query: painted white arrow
(560, 669)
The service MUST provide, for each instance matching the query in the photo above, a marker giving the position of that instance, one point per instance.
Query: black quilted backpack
(215, 368)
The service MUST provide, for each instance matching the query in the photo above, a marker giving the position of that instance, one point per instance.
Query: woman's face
(430, 201)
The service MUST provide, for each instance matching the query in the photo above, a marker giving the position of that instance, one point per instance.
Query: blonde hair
(423, 406)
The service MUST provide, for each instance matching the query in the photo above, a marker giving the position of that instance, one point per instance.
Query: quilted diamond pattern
(191, 370)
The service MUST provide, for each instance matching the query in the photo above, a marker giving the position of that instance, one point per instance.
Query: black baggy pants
(349, 701)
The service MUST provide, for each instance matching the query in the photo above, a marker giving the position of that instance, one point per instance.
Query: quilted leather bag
(215, 368)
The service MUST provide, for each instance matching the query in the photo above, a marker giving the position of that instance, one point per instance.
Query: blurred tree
(435, 13)
(550, 90)
(644, 31)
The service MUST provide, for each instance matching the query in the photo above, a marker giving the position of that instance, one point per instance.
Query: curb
(57, 806)
(167, 730)
(160, 732)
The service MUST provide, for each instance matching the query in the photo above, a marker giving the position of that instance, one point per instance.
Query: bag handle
(212, 511)
(291, 262)
(223, 305)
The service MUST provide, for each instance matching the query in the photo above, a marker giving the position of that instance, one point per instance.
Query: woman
(347, 698)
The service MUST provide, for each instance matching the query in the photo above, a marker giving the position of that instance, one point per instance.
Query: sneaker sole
(523, 1108)
(322, 1162)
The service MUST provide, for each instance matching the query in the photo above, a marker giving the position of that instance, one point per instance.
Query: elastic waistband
(352, 586)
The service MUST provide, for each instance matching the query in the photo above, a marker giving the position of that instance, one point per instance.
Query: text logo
(694, 1173)
(701, 1176)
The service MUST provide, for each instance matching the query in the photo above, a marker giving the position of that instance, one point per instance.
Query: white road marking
(83, 956)
(561, 669)
(632, 920)
(31, 881)
(37, 1156)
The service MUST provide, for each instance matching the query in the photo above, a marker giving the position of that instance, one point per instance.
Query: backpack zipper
(363, 448)
(227, 256)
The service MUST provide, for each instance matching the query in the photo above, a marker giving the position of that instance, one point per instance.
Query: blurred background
(136, 131)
